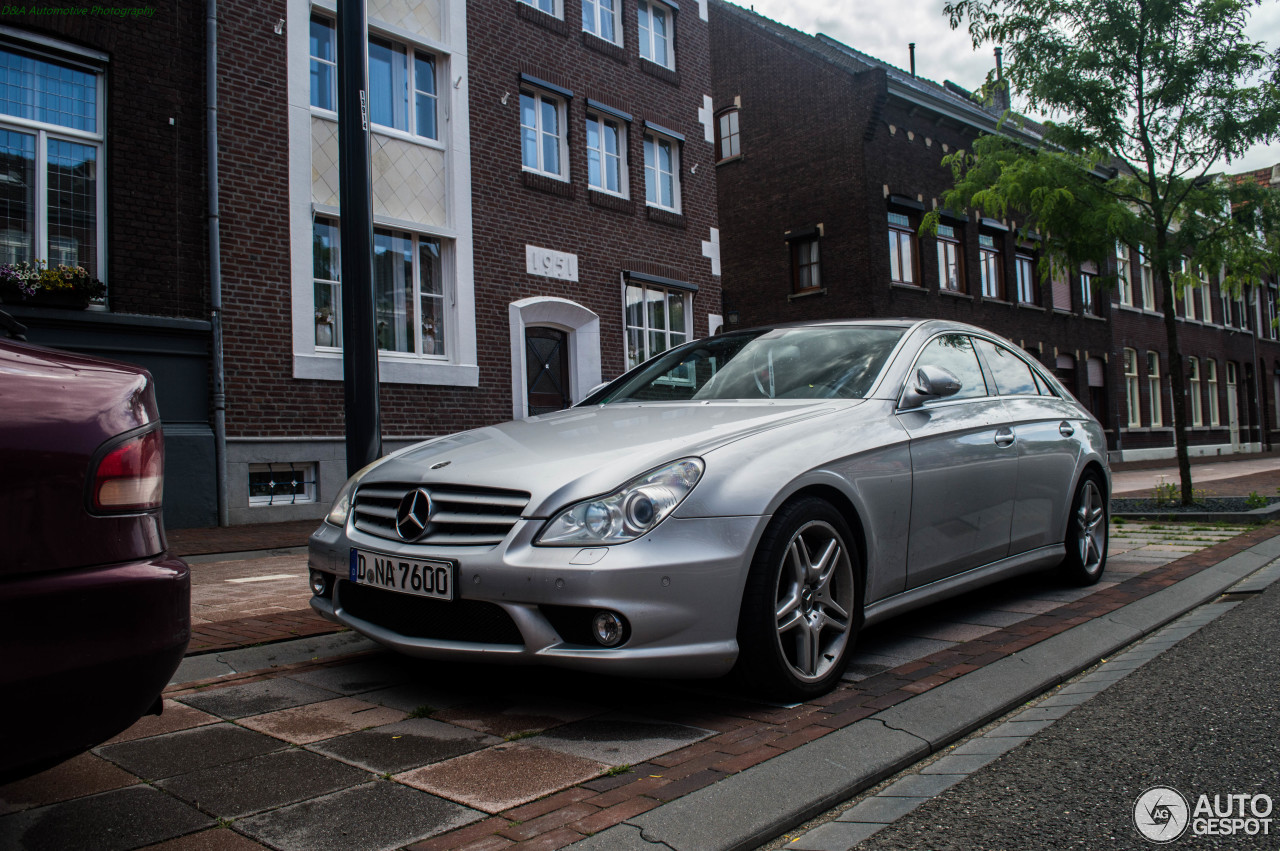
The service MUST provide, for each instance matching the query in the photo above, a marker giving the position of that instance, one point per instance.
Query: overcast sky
(884, 30)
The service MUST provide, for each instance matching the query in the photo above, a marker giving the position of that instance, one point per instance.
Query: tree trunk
(1177, 382)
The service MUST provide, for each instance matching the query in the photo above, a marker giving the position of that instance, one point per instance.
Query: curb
(750, 808)
(1257, 516)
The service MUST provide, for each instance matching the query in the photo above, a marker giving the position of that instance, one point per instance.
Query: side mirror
(929, 383)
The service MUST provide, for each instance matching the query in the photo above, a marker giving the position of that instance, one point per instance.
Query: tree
(1144, 100)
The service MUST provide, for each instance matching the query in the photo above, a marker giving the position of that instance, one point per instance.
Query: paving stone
(188, 750)
(959, 763)
(121, 819)
(176, 716)
(504, 776)
(1043, 713)
(215, 839)
(371, 817)
(408, 744)
(86, 774)
(410, 696)
(302, 725)
(362, 675)
(1072, 699)
(983, 745)
(834, 836)
(263, 782)
(256, 698)
(992, 617)
(880, 810)
(506, 718)
(620, 739)
(903, 647)
(922, 785)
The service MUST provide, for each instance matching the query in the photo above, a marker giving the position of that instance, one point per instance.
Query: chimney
(912, 48)
(1000, 98)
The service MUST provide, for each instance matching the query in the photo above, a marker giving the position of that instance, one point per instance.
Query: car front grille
(461, 516)
(422, 617)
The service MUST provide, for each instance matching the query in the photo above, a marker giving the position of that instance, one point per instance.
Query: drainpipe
(912, 47)
(215, 264)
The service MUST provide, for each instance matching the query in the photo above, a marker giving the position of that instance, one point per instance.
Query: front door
(546, 356)
(1233, 407)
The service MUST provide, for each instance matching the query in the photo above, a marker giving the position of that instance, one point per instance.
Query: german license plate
(406, 576)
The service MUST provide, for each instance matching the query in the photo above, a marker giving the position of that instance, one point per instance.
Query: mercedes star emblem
(414, 514)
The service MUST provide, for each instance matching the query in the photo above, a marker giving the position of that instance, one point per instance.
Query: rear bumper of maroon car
(86, 653)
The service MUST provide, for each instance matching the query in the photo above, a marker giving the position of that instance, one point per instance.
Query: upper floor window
(51, 138)
(600, 18)
(1124, 274)
(548, 6)
(902, 249)
(805, 271)
(1225, 298)
(1211, 382)
(657, 319)
(1189, 296)
(655, 30)
(1272, 296)
(728, 143)
(1148, 281)
(606, 155)
(1131, 388)
(989, 264)
(950, 266)
(1024, 266)
(1193, 394)
(402, 81)
(1088, 296)
(662, 172)
(1206, 297)
(1153, 388)
(542, 136)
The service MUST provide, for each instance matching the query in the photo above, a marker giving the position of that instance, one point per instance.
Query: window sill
(736, 158)
(955, 294)
(661, 72)
(535, 15)
(665, 217)
(900, 285)
(546, 183)
(607, 48)
(1095, 317)
(988, 299)
(611, 202)
(1026, 305)
(327, 366)
(809, 293)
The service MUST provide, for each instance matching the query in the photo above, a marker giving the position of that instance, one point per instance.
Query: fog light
(319, 583)
(608, 629)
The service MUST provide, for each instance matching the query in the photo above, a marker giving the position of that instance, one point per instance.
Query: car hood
(581, 452)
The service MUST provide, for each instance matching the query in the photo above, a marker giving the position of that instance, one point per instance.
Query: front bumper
(679, 589)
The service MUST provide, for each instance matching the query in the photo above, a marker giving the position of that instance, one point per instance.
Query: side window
(954, 353)
(1013, 376)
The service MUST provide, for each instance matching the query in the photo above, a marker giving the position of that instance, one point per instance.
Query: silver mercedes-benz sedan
(744, 502)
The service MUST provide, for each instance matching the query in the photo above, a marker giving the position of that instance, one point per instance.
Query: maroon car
(95, 614)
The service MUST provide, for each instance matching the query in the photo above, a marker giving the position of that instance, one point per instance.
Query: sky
(884, 30)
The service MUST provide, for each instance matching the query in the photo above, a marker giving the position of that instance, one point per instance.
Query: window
(955, 353)
(656, 318)
(1013, 376)
(1088, 297)
(1188, 293)
(548, 6)
(1124, 272)
(1148, 281)
(1272, 295)
(1131, 387)
(1211, 379)
(950, 267)
(51, 200)
(1206, 297)
(655, 28)
(804, 265)
(902, 251)
(1024, 267)
(1153, 388)
(989, 263)
(1193, 382)
(542, 136)
(606, 155)
(729, 144)
(402, 81)
(282, 483)
(410, 305)
(662, 172)
(600, 18)
(1225, 298)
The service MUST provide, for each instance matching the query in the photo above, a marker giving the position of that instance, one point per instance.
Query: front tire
(1086, 539)
(802, 605)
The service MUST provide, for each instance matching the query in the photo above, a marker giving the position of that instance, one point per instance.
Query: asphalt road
(1201, 718)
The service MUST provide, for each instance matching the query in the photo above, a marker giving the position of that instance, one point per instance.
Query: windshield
(838, 362)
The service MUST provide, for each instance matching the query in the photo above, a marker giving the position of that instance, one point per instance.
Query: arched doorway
(546, 356)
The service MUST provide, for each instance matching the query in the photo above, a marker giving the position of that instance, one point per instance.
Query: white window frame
(1147, 274)
(728, 135)
(409, 85)
(540, 99)
(648, 39)
(554, 8)
(652, 173)
(1193, 386)
(902, 249)
(1272, 295)
(1188, 296)
(620, 159)
(1088, 298)
(631, 359)
(594, 14)
(1211, 382)
(1133, 402)
(1206, 296)
(989, 261)
(1124, 274)
(1153, 388)
(1024, 268)
(41, 244)
(950, 258)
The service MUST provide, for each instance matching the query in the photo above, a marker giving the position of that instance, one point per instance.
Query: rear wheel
(1086, 540)
(802, 605)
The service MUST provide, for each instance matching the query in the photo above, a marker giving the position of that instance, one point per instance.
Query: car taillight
(130, 477)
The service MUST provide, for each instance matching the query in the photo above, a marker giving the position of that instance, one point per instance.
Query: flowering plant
(31, 278)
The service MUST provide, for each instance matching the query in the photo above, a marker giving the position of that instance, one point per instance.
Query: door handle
(1065, 429)
(1004, 437)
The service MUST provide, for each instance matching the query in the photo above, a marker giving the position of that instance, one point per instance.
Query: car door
(1044, 427)
(964, 467)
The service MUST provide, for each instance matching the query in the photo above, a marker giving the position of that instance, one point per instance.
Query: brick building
(826, 160)
(102, 130)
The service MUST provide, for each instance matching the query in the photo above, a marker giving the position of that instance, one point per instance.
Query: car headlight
(627, 513)
(342, 503)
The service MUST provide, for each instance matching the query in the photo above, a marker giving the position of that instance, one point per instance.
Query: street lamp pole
(355, 189)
